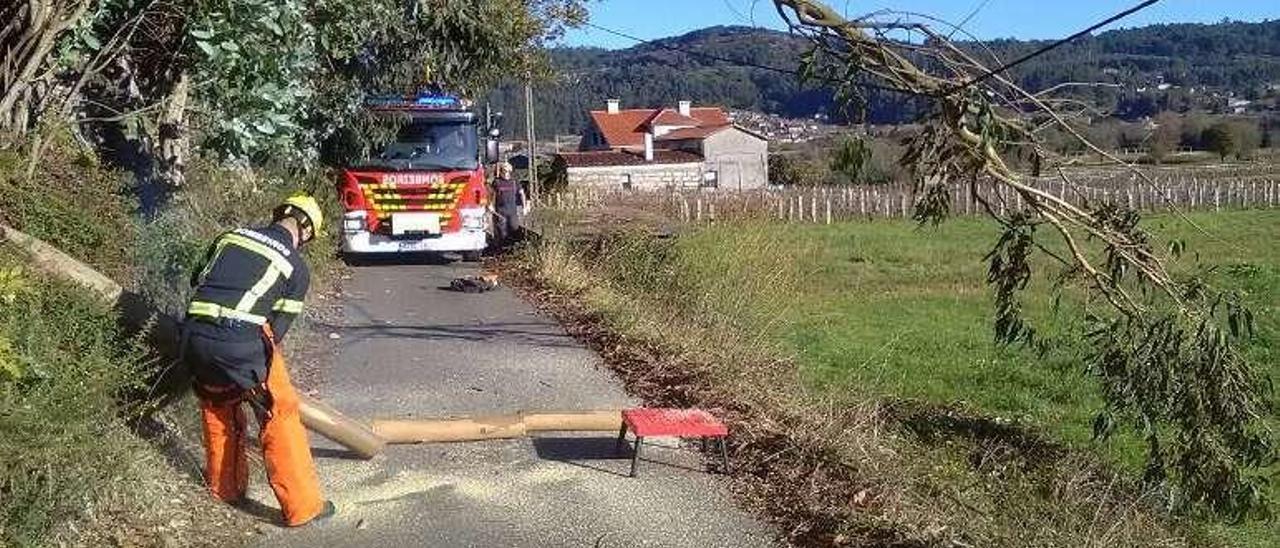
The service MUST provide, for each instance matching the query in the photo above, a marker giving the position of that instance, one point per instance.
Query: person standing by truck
(510, 204)
(247, 294)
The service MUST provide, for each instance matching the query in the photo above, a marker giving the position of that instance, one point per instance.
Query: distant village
(779, 129)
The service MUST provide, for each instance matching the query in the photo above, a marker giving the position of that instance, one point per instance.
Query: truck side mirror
(490, 151)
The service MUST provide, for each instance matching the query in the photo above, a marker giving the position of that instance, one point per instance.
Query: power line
(968, 18)
(987, 75)
(737, 62)
(977, 80)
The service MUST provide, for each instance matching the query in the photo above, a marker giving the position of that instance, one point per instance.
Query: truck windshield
(430, 144)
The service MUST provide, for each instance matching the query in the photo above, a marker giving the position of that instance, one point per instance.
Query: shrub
(215, 199)
(63, 442)
(70, 201)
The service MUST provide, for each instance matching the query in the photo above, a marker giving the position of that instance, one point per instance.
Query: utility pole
(532, 153)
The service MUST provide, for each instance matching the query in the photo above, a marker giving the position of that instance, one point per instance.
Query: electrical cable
(1056, 44)
(714, 57)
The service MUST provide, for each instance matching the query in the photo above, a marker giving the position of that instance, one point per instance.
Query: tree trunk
(27, 40)
(173, 145)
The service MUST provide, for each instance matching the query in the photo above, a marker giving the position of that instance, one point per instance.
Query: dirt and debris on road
(407, 347)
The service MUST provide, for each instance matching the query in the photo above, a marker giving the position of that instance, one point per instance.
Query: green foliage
(71, 202)
(255, 61)
(793, 170)
(388, 46)
(274, 80)
(216, 199)
(62, 439)
(1222, 139)
(1164, 140)
(1227, 56)
(890, 309)
(852, 159)
(553, 175)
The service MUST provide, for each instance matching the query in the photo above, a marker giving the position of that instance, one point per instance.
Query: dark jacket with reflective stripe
(257, 272)
(251, 276)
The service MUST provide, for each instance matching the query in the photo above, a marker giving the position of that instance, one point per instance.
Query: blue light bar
(423, 101)
(433, 100)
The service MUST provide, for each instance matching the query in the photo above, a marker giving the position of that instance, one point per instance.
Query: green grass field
(899, 310)
(894, 310)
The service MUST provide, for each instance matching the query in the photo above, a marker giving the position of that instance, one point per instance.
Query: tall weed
(72, 202)
(687, 322)
(63, 442)
(215, 199)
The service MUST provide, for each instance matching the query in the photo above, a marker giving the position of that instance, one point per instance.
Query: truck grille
(385, 198)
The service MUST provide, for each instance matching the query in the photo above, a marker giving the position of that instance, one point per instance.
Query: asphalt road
(409, 348)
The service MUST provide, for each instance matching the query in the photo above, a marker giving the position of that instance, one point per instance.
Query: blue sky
(996, 19)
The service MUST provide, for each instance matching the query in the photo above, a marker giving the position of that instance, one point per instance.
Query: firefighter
(247, 293)
(510, 205)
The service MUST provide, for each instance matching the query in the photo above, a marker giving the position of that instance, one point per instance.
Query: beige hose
(495, 427)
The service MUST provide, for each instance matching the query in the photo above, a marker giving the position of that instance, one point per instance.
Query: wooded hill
(1203, 66)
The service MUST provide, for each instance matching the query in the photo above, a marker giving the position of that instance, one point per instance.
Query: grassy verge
(75, 468)
(887, 325)
(753, 321)
(73, 472)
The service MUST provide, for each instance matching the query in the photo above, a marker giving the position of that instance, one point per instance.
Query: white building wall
(740, 159)
(639, 177)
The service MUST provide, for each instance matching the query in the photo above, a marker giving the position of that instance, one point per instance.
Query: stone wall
(640, 177)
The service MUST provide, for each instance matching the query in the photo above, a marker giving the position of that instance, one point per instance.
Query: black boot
(325, 513)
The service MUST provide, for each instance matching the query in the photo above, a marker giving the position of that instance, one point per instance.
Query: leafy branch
(1164, 348)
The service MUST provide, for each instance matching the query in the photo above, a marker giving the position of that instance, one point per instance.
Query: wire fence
(1200, 189)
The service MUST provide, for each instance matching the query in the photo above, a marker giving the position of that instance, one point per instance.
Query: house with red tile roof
(685, 146)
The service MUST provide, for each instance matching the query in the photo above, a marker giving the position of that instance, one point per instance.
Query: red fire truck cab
(425, 191)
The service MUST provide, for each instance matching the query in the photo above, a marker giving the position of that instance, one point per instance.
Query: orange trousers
(290, 470)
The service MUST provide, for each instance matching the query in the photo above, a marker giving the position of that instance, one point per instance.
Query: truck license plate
(415, 223)
(409, 247)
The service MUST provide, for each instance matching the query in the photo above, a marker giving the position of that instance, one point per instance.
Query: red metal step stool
(682, 423)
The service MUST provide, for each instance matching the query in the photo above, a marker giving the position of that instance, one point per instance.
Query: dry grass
(829, 472)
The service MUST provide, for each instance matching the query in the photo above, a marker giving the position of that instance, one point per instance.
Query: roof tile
(626, 128)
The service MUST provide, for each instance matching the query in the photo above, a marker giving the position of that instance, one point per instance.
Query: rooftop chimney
(685, 107)
(614, 105)
(648, 145)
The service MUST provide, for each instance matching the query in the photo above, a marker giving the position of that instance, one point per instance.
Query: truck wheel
(354, 259)
(471, 256)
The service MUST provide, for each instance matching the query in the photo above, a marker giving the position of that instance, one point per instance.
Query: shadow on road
(341, 454)
(526, 333)
(573, 451)
(402, 259)
(580, 451)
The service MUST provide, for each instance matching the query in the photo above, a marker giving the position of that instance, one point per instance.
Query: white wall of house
(637, 177)
(739, 159)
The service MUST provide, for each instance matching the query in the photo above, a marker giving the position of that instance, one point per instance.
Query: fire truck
(425, 191)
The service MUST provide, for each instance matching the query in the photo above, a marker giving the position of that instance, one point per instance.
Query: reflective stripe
(282, 264)
(288, 306)
(215, 310)
(259, 289)
(217, 254)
